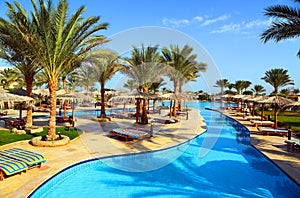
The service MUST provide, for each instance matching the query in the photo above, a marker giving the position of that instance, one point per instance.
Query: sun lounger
(269, 131)
(30, 158)
(166, 120)
(292, 144)
(9, 166)
(129, 134)
(257, 123)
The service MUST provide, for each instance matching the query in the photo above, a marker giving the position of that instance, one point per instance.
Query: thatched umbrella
(130, 98)
(74, 97)
(11, 98)
(275, 100)
(292, 106)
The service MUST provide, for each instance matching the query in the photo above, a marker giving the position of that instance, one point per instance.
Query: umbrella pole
(137, 115)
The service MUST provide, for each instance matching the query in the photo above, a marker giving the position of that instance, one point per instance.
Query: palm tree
(130, 84)
(183, 66)
(246, 84)
(277, 78)
(8, 76)
(239, 85)
(222, 83)
(285, 23)
(105, 65)
(143, 67)
(258, 89)
(58, 42)
(85, 77)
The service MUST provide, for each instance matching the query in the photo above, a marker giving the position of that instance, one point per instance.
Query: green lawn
(7, 137)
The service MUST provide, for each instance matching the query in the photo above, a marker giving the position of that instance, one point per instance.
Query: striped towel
(28, 157)
(11, 166)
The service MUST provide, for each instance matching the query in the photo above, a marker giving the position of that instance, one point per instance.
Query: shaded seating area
(291, 144)
(271, 131)
(14, 122)
(129, 133)
(257, 123)
(16, 160)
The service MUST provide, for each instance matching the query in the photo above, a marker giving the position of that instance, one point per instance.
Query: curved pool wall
(230, 168)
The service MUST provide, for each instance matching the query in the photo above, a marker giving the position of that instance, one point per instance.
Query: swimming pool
(219, 163)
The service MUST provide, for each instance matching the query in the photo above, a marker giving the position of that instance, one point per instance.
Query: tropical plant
(105, 65)
(258, 89)
(285, 23)
(143, 67)
(239, 85)
(130, 84)
(59, 42)
(222, 84)
(277, 78)
(8, 76)
(182, 66)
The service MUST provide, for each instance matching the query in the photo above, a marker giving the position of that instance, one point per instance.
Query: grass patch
(7, 137)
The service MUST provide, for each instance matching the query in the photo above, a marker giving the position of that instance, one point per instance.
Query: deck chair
(269, 131)
(128, 134)
(9, 166)
(30, 158)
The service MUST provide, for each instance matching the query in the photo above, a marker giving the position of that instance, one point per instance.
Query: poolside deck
(93, 144)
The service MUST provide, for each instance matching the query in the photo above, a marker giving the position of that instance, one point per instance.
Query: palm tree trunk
(180, 101)
(29, 82)
(175, 92)
(275, 115)
(144, 118)
(103, 114)
(52, 85)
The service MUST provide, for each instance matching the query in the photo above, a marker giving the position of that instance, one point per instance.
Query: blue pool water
(219, 163)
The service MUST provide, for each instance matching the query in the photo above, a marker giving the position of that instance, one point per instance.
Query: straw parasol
(12, 98)
(277, 101)
(292, 106)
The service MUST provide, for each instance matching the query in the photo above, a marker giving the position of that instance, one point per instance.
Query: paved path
(95, 143)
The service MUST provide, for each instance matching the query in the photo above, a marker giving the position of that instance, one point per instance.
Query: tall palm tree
(239, 85)
(246, 84)
(285, 25)
(277, 78)
(258, 89)
(85, 77)
(105, 66)
(130, 84)
(183, 66)
(58, 42)
(143, 66)
(13, 49)
(222, 83)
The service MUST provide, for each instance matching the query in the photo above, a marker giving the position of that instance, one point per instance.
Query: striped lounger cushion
(28, 157)
(10, 166)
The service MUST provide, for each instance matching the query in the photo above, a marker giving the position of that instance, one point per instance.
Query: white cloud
(202, 20)
(211, 21)
(176, 23)
(243, 26)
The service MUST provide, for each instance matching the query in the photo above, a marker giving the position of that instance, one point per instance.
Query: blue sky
(227, 32)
